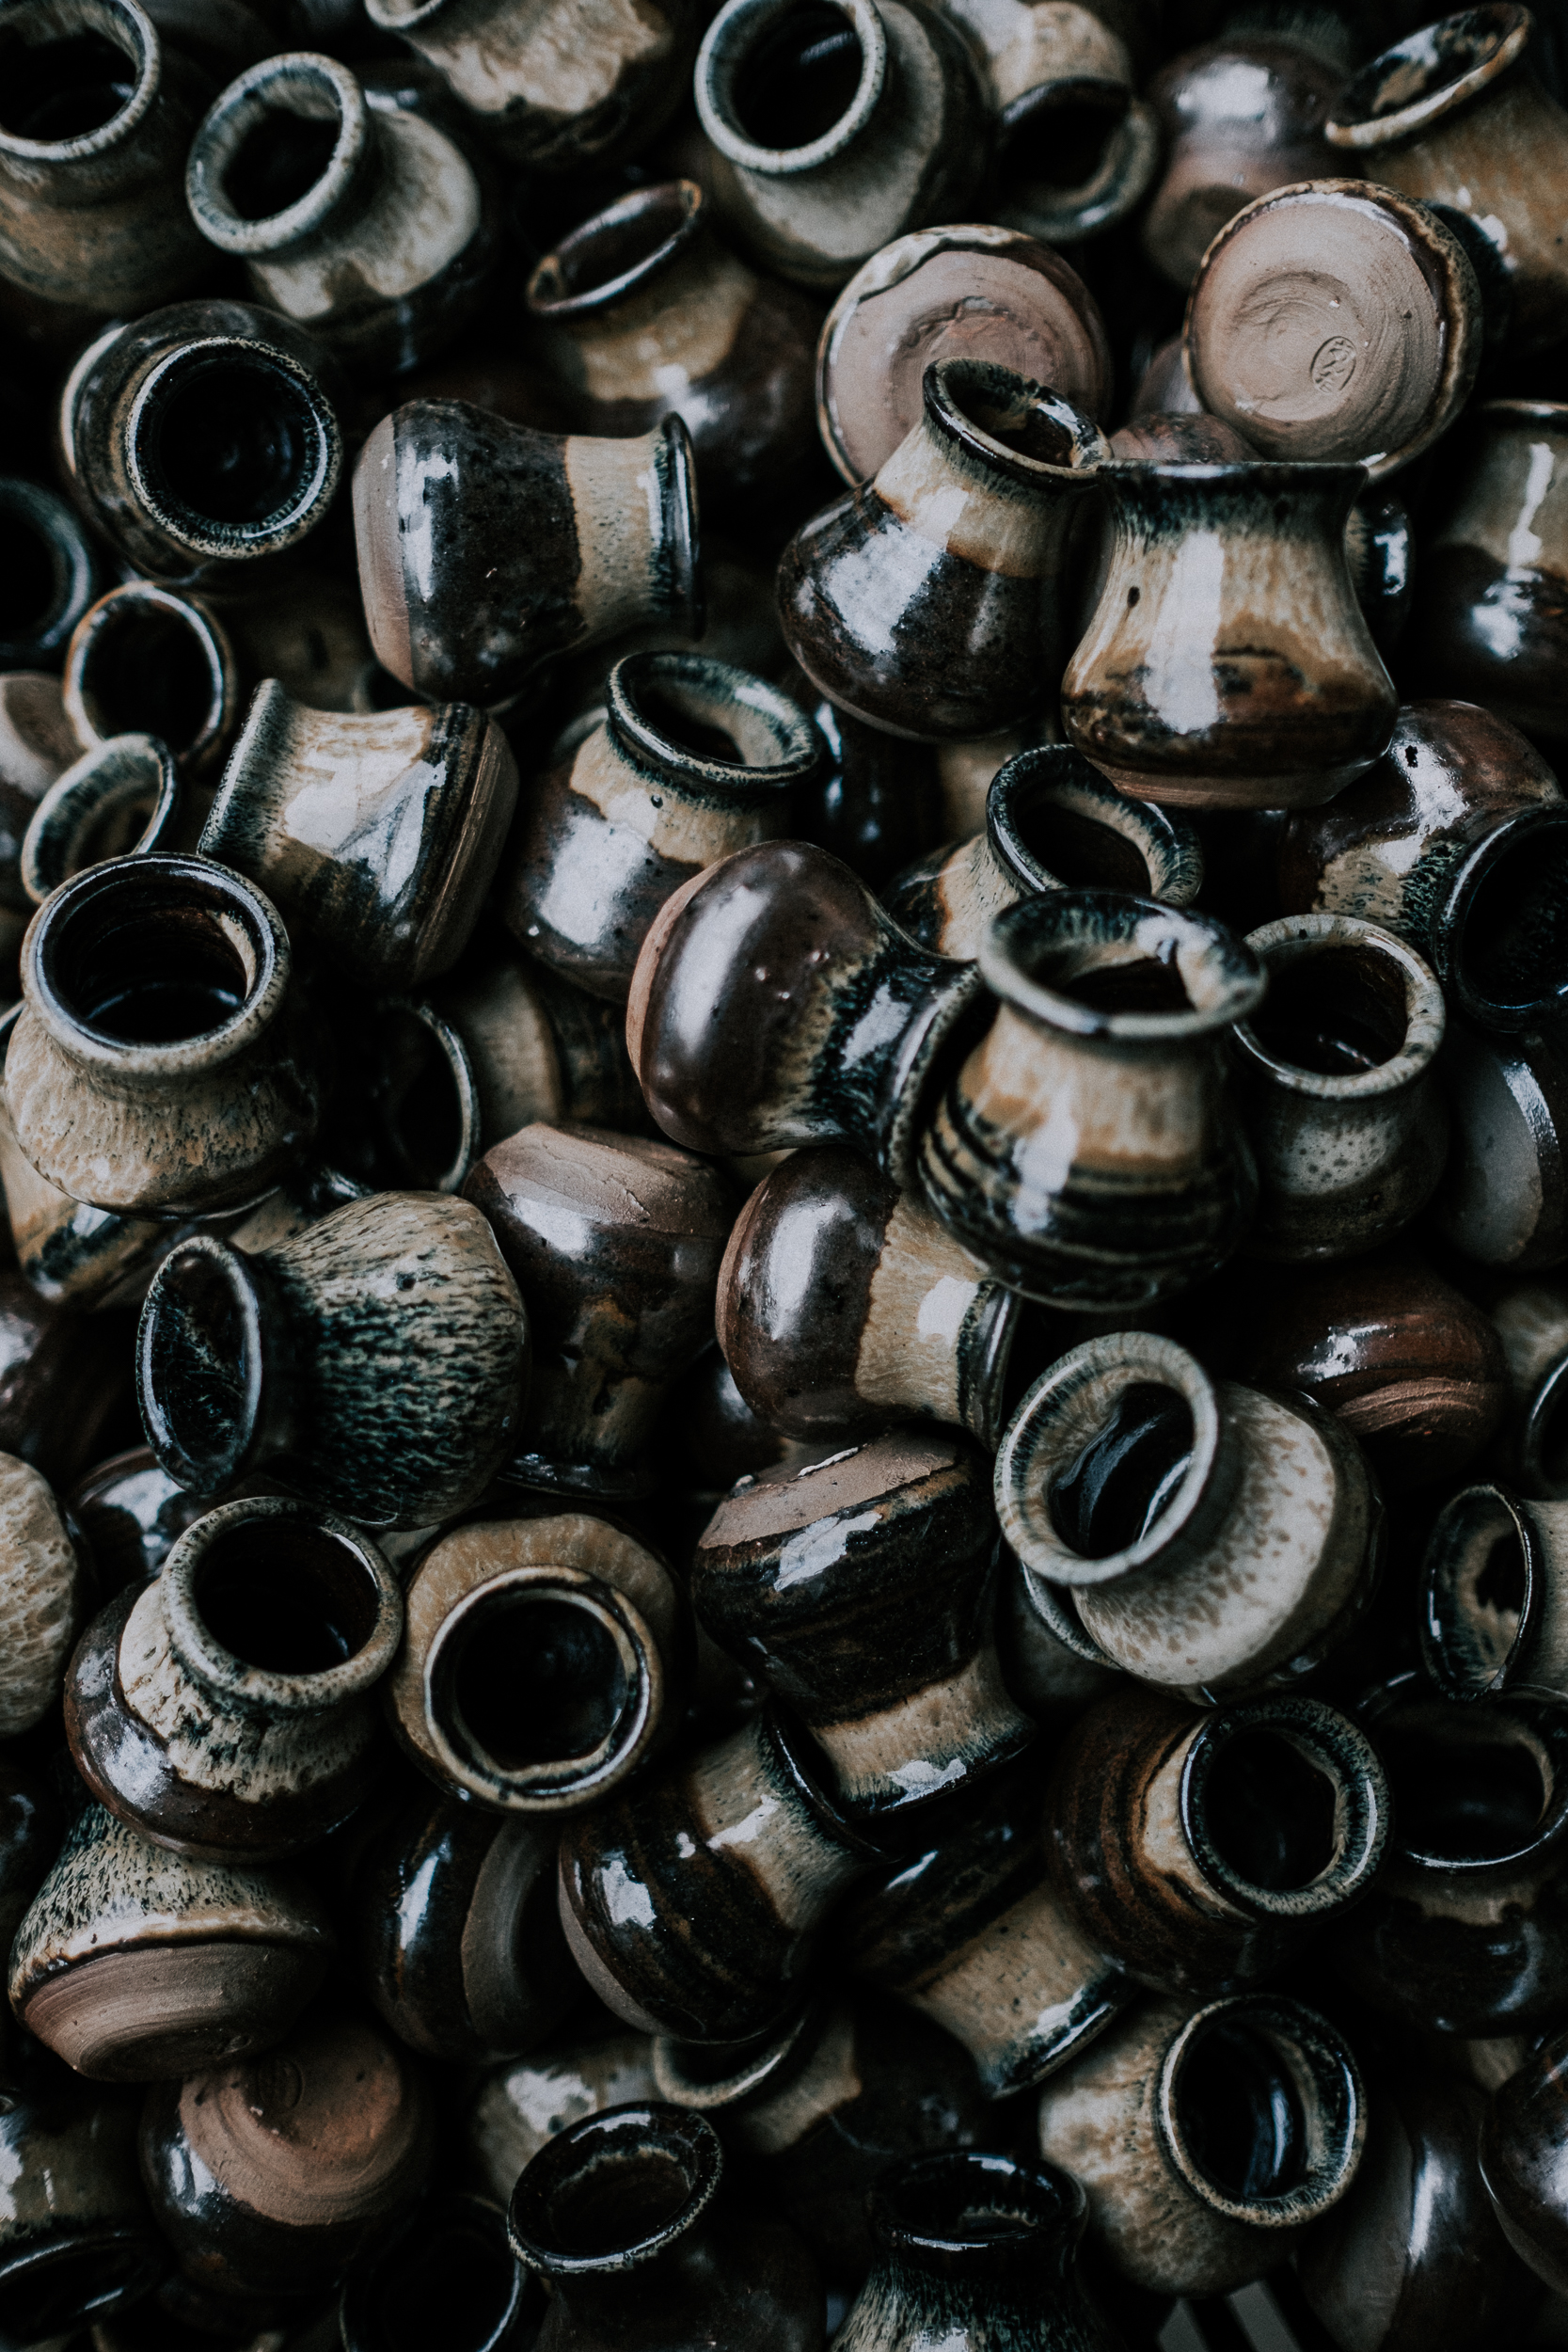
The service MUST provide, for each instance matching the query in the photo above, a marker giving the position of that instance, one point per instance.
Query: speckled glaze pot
(1052, 823)
(601, 536)
(1493, 1594)
(1217, 1540)
(134, 1962)
(451, 2272)
(518, 2109)
(76, 2240)
(122, 799)
(55, 571)
(132, 1515)
(1453, 114)
(1502, 1201)
(692, 759)
(547, 1660)
(147, 661)
(1337, 1081)
(379, 1355)
(1521, 2160)
(968, 522)
(1118, 1008)
(675, 2263)
(1208, 2138)
(1150, 697)
(355, 216)
(46, 1592)
(203, 441)
(1530, 1318)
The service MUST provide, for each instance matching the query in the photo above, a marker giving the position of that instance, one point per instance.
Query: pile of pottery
(845, 1258)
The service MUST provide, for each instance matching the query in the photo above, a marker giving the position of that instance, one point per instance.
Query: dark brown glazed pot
(968, 524)
(1522, 2163)
(53, 570)
(451, 2278)
(46, 1593)
(1494, 1601)
(597, 536)
(538, 1047)
(59, 1387)
(1502, 1200)
(133, 1514)
(691, 759)
(877, 801)
(149, 661)
(76, 2239)
(1457, 840)
(518, 2109)
(676, 2260)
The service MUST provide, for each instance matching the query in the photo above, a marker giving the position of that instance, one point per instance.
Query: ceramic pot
(1531, 1449)
(379, 836)
(968, 523)
(678, 1928)
(1076, 150)
(135, 1962)
(1501, 1199)
(1380, 552)
(122, 799)
(1208, 2138)
(203, 441)
(132, 1515)
(675, 2261)
(46, 1593)
(825, 142)
(1153, 696)
(876, 801)
(355, 216)
(1465, 1931)
(60, 1387)
(270, 2177)
(54, 572)
(1048, 1662)
(452, 2274)
(544, 1660)
(692, 760)
(1052, 823)
(1521, 2162)
(98, 117)
(1492, 1608)
(538, 1047)
(518, 2109)
(1163, 1502)
(1337, 1076)
(144, 661)
(1336, 320)
(76, 2240)
(774, 1004)
(1454, 115)
(1118, 1007)
(380, 1356)
(311, 636)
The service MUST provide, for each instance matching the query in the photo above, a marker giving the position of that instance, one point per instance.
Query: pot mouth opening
(1057, 144)
(1260, 2108)
(144, 661)
(199, 1367)
(1507, 945)
(968, 2209)
(784, 85)
(1477, 1785)
(448, 2280)
(52, 2290)
(41, 569)
(1053, 820)
(1008, 419)
(613, 2191)
(1351, 1013)
(712, 723)
(283, 1593)
(630, 242)
(75, 92)
(1478, 1591)
(234, 448)
(1428, 74)
(276, 153)
(1284, 1805)
(1544, 1450)
(425, 1097)
(115, 802)
(1098, 964)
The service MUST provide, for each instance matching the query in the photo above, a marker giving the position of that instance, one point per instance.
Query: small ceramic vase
(774, 1004)
(1337, 1081)
(1052, 823)
(54, 570)
(1494, 1601)
(134, 1962)
(518, 2109)
(132, 1515)
(486, 549)
(203, 441)
(1531, 1450)
(378, 1356)
(966, 525)
(1503, 1200)
(1157, 696)
(1176, 1511)
(1076, 151)
(1522, 2167)
(61, 1388)
(122, 799)
(99, 114)
(538, 1047)
(682, 1927)
(1208, 2138)
(1336, 320)
(675, 2263)
(76, 2240)
(46, 1588)
(545, 1657)
(1048, 1664)
(269, 2178)
(1118, 1007)
(357, 217)
(825, 142)
(379, 836)
(453, 1925)
(876, 799)
(1454, 115)
(692, 760)
(1467, 1931)
(146, 661)
(452, 2273)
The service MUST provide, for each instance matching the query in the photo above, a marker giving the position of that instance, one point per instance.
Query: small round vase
(54, 572)
(122, 799)
(147, 660)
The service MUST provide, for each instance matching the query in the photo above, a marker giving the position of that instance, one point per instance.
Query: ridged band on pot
(145, 659)
(1494, 1608)
(122, 799)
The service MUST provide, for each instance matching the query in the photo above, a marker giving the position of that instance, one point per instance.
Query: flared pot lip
(1047, 2207)
(1045, 769)
(120, 766)
(1120, 182)
(1341, 2122)
(1525, 1707)
(1460, 1510)
(247, 102)
(688, 208)
(111, 611)
(222, 1463)
(1361, 1814)
(798, 743)
(1224, 964)
(940, 386)
(730, 38)
(654, 2126)
(1426, 1014)
(1356, 120)
(289, 522)
(148, 53)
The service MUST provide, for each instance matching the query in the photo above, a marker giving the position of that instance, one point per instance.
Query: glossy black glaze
(875, 801)
(76, 2238)
(452, 2279)
(51, 572)
(132, 1513)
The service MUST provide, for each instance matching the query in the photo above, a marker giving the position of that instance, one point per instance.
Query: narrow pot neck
(1353, 1020)
(994, 469)
(1173, 509)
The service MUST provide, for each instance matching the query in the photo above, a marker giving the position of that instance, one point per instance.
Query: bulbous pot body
(76, 2240)
(1522, 2165)
(45, 1591)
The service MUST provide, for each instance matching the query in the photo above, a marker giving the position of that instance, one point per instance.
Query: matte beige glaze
(44, 1597)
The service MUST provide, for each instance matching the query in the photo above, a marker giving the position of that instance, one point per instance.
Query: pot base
(168, 2009)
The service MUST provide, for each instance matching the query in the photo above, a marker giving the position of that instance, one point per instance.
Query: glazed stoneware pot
(354, 216)
(1202, 1851)
(596, 535)
(77, 2242)
(1215, 1540)
(877, 801)
(615, 1243)
(1531, 1320)
(379, 836)
(676, 2260)
(453, 2278)
(1522, 2163)
(1048, 1664)
(775, 1002)
(203, 441)
(1052, 823)
(60, 1389)
(46, 1589)
(55, 571)
(132, 1515)
(545, 1657)
(1209, 2138)
(1337, 1081)
(682, 1927)
(122, 799)
(692, 759)
(518, 2109)
(224, 1709)
(1465, 1931)
(135, 1962)
(1454, 115)
(975, 292)
(149, 661)
(642, 310)
(1154, 694)
(1118, 1008)
(1502, 1198)
(379, 1355)
(827, 137)
(1336, 320)
(538, 1046)
(270, 2177)
(1494, 1599)
(1457, 840)
(968, 524)
(860, 1591)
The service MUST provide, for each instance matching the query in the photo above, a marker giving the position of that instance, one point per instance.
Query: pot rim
(72, 564)
(119, 767)
(677, 2133)
(1117, 184)
(248, 101)
(1351, 125)
(146, 54)
(681, 195)
(1059, 2214)
(798, 745)
(290, 521)
(939, 384)
(1326, 2057)
(111, 611)
(1425, 1015)
(1448, 921)
(1267, 476)
(730, 38)
(1412, 1688)
(1361, 1813)
(1054, 771)
(1029, 926)
(246, 1431)
(1456, 1521)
